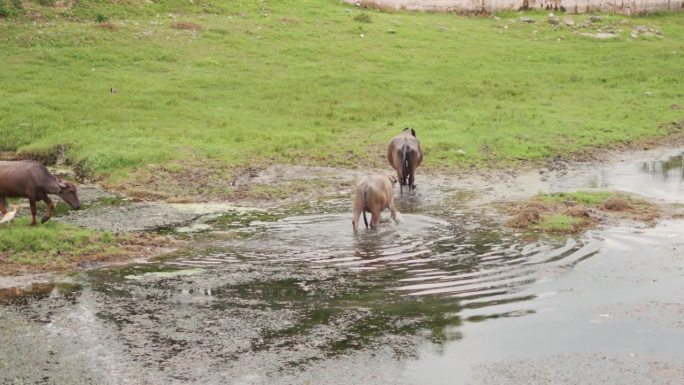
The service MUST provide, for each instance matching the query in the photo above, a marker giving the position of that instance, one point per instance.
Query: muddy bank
(326, 189)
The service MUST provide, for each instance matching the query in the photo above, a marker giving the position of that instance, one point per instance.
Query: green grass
(315, 82)
(557, 223)
(52, 243)
(587, 198)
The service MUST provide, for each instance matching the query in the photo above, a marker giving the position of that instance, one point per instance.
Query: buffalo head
(67, 191)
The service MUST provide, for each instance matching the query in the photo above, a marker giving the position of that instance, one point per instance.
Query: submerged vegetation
(250, 83)
(568, 213)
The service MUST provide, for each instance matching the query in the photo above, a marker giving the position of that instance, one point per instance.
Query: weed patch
(567, 213)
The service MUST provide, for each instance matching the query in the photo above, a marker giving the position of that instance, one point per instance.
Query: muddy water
(445, 296)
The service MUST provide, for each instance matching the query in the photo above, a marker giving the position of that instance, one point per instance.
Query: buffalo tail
(405, 164)
(365, 221)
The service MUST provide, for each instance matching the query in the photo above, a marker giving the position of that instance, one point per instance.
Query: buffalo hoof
(44, 219)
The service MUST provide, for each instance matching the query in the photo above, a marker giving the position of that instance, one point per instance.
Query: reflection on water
(476, 262)
(672, 167)
(306, 288)
(37, 291)
(660, 179)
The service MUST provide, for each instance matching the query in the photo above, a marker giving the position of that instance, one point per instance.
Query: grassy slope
(296, 82)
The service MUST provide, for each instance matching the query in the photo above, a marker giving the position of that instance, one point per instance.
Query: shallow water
(445, 296)
(657, 175)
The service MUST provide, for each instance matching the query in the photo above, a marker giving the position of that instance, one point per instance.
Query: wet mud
(449, 295)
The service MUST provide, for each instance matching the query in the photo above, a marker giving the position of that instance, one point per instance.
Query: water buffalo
(30, 179)
(373, 194)
(405, 155)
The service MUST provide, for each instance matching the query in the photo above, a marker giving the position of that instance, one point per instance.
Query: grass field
(321, 82)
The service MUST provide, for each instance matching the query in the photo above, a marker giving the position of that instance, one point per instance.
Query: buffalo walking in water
(373, 194)
(405, 155)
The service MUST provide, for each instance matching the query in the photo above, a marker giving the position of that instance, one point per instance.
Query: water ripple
(480, 264)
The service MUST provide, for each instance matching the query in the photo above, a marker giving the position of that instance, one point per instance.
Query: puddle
(445, 296)
(656, 175)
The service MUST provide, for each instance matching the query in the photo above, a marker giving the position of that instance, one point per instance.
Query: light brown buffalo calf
(373, 194)
(405, 155)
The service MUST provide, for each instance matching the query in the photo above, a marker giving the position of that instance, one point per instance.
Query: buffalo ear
(62, 185)
(413, 132)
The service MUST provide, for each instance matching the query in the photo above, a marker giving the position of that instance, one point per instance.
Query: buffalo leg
(48, 213)
(32, 203)
(412, 179)
(400, 177)
(375, 218)
(393, 211)
(3, 205)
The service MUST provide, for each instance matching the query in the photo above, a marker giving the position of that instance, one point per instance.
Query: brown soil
(578, 211)
(107, 25)
(187, 26)
(197, 180)
(616, 204)
(626, 208)
(528, 213)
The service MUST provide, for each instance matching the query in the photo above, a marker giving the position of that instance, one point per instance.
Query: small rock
(595, 19)
(527, 20)
(554, 20)
(640, 29)
(600, 35)
(569, 22)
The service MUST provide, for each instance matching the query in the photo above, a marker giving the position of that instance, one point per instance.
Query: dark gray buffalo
(405, 154)
(30, 179)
